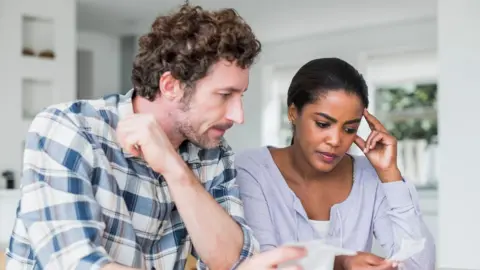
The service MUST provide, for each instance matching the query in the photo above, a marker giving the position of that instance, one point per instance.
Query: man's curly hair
(187, 43)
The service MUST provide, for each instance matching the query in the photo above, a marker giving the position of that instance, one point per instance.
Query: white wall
(459, 147)
(106, 61)
(59, 73)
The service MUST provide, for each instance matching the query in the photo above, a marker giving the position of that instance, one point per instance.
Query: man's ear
(170, 87)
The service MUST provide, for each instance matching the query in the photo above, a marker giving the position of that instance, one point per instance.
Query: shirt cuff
(250, 245)
(400, 194)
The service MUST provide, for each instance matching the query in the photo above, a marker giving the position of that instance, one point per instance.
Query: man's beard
(201, 140)
(184, 126)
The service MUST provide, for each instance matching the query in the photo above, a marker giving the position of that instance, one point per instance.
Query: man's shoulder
(82, 113)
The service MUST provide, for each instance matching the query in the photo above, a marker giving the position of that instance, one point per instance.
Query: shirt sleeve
(257, 213)
(226, 192)
(398, 217)
(62, 220)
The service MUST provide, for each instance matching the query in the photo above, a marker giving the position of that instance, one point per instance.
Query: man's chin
(208, 143)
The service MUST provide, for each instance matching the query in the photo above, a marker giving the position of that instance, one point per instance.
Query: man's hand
(212, 227)
(115, 266)
(366, 261)
(270, 260)
(140, 135)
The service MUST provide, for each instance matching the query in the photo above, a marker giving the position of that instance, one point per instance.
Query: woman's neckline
(278, 174)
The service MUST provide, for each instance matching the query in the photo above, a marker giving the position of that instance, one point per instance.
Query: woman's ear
(292, 114)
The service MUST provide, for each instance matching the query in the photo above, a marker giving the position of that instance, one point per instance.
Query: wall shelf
(37, 36)
(39, 68)
(34, 82)
(36, 95)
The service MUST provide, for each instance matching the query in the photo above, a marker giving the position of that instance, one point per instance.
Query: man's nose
(235, 112)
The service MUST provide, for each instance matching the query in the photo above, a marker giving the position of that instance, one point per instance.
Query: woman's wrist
(340, 262)
(390, 175)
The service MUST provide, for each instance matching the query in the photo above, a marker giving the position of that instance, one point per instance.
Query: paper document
(408, 248)
(320, 256)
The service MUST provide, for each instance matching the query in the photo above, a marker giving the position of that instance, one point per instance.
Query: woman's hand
(364, 261)
(381, 150)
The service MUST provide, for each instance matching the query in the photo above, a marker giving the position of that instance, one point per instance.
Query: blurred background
(420, 59)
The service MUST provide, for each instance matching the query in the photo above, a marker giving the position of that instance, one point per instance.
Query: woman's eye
(350, 130)
(322, 125)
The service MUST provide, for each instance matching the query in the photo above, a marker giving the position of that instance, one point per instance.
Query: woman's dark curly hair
(187, 43)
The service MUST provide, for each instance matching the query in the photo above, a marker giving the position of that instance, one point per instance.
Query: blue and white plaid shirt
(86, 203)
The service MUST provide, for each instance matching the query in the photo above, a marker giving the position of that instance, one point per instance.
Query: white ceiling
(270, 19)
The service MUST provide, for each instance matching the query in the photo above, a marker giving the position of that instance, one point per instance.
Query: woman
(314, 189)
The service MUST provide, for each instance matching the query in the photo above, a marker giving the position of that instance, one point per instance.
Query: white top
(322, 226)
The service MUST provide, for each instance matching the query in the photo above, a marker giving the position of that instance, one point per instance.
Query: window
(277, 130)
(404, 94)
(285, 132)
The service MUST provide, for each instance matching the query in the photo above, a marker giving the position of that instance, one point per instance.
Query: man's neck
(162, 113)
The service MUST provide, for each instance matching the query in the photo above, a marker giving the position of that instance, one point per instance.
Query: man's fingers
(129, 143)
(270, 260)
(281, 255)
(295, 267)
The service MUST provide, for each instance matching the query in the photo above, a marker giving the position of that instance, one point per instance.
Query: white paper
(408, 248)
(320, 256)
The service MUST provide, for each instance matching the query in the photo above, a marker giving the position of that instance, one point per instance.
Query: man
(134, 181)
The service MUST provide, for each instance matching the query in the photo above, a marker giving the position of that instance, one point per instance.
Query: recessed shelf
(38, 68)
(36, 95)
(37, 37)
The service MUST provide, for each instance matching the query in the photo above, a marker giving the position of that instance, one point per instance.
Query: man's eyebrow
(232, 89)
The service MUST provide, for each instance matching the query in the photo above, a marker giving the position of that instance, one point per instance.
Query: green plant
(398, 99)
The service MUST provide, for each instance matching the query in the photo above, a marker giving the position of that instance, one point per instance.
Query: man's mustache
(223, 126)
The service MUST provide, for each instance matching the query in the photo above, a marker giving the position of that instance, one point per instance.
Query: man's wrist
(177, 172)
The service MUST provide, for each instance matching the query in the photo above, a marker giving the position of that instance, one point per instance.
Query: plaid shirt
(86, 203)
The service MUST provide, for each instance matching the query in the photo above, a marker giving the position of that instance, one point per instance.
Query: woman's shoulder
(252, 157)
(255, 163)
